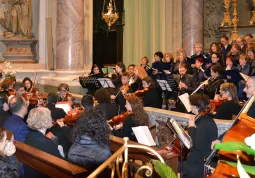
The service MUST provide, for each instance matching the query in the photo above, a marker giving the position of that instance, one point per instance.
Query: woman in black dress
(202, 131)
(137, 117)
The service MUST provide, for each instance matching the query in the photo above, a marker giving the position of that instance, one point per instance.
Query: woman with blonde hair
(39, 120)
(137, 117)
(231, 106)
(140, 73)
(181, 59)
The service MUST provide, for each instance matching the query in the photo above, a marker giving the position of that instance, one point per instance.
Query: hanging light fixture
(112, 15)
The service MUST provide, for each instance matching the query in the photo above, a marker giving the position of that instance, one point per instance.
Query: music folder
(143, 135)
(106, 82)
(164, 85)
(185, 100)
(64, 105)
(180, 132)
(236, 76)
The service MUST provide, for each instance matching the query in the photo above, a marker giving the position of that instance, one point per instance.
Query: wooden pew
(137, 154)
(46, 163)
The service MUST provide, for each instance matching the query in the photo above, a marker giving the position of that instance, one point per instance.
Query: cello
(242, 124)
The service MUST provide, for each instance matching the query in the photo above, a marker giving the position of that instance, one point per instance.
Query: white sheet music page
(246, 77)
(106, 82)
(143, 135)
(185, 100)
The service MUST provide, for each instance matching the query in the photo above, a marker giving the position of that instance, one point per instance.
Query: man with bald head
(16, 123)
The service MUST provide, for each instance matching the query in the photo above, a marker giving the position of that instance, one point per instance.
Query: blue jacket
(17, 125)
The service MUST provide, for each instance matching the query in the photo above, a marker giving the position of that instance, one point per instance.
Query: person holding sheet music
(144, 64)
(151, 97)
(157, 66)
(214, 82)
(230, 107)
(140, 73)
(167, 64)
(202, 131)
(137, 117)
(244, 68)
(181, 59)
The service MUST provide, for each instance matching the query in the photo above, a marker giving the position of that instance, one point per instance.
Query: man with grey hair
(240, 41)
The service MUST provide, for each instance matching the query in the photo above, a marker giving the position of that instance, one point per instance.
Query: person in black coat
(103, 98)
(198, 75)
(4, 109)
(202, 131)
(91, 142)
(151, 97)
(157, 66)
(137, 117)
(225, 47)
(96, 72)
(119, 69)
(214, 82)
(39, 120)
(230, 107)
(140, 73)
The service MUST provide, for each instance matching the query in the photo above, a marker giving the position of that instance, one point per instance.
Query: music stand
(89, 82)
(106, 83)
(180, 133)
(165, 87)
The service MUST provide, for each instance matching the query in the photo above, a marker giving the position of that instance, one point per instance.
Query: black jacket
(37, 140)
(137, 85)
(9, 167)
(3, 117)
(227, 109)
(56, 113)
(202, 137)
(88, 153)
(213, 86)
(152, 99)
(108, 109)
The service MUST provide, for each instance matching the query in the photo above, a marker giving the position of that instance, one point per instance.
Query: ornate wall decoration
(213, 13)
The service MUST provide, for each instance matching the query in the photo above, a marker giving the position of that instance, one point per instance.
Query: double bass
(242, 127)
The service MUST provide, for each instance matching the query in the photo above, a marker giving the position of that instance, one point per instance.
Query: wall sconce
(112, 15)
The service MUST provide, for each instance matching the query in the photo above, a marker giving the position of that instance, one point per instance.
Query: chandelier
(111, 16)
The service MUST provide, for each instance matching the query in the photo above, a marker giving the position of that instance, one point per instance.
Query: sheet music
(143, 135)
(182, 135)
(185, 100)
(245, 77)
(164, 85)
(105, 82)
(64, 105)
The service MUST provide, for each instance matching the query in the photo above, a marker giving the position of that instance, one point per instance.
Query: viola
(119, 119)
(214, 104)
(11, 92)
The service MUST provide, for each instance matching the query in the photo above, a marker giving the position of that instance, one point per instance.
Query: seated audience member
(104, 103)
(87, 102)
(137, 117)
(202, 131)
(56, 113)
(16, 123)
(8, 164)
(214, 82)
(151, 97)
(230, 107)
(4, 109)
(39, 120)
(90, 141)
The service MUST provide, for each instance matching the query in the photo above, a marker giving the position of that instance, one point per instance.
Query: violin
(71, 116)
(214, 104)
(120, 118)
(11, 92)
(140, 93)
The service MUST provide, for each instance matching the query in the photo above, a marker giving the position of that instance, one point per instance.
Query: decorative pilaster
(192, 24)
(70, 35)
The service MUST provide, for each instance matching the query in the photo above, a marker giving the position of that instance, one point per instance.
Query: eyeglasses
(63, 90)
(248, 86)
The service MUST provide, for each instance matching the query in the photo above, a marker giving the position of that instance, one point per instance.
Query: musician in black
(183, 79)
(202, 131)
(157, 66)
(198, 75)
(140, 73)
(96, 72)
(119, 69)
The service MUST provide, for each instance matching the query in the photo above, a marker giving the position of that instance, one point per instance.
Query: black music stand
(165, 87)
(89, 82)
(106, 83)
(180, 133)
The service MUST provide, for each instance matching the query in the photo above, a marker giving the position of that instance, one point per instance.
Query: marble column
(192, 24)
(70, 35)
